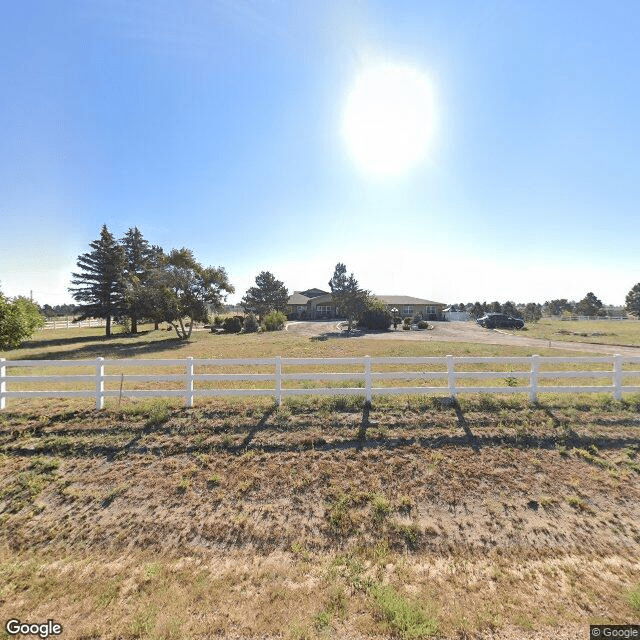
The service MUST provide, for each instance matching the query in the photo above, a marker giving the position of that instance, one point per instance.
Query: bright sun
(388, 119)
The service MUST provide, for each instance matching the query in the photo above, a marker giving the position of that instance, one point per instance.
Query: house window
(407, 311)
(326, 309)
(432, 309)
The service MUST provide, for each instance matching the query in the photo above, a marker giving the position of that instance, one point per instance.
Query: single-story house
(408, 306)
(316, 304)
(312, 304)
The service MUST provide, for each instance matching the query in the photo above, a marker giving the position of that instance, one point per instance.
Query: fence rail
(367, 376)
(68, 323)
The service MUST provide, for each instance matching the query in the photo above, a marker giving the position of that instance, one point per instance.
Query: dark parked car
(502, 320)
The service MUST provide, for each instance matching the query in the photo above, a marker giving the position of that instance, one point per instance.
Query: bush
(233, 324)
(218, 321)
(376, 316)
(250, 324)
(407, 321)
(274, 321)
(19, 318)
(423, 324)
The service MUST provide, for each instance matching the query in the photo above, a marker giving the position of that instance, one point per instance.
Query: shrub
(218, 321)
(19, 318)
(274, 321)
(407, 321)
(423, 324)
(376, 316)
(250, 324)
(233, 324)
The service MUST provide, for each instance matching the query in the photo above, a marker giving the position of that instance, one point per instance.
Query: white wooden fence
(452, 374)
(68, 323)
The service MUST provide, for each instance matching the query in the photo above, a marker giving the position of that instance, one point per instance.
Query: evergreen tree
(155, 285)
(138, 262)
(269, 295)
(99, 286)
(590, 305)
(632, 301)
(347, 294)
(532, 312)
(510, 309)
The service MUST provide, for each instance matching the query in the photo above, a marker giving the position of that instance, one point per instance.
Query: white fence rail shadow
(367, 376)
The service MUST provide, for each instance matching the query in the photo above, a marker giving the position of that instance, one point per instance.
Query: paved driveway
(455, 332)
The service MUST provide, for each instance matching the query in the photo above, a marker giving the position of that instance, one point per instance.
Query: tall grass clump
(405, 619)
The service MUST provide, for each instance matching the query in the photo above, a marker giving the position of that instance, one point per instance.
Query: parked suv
(493, 320)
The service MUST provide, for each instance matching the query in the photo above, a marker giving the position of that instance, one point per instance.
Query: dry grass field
(614, 332)
(321, 518)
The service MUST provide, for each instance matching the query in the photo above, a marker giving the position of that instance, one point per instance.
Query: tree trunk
(156, 325)
(108, 326)
(183, 335)
(134, 324)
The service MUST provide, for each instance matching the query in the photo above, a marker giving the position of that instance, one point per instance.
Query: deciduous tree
(557, 307)
(19, 318)
(187, 290)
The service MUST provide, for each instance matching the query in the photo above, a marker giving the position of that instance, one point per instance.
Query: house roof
(408, 300)
(297, 298)
(302, 297)
(313, 293)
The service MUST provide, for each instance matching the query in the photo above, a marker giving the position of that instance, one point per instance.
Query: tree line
(590, 305)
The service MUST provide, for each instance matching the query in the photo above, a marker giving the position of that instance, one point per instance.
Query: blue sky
(219, 125)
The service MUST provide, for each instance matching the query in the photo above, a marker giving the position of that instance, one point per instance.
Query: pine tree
(632, 301)
(269, 295)
(347, 294)
(138, 261)
(99, 285)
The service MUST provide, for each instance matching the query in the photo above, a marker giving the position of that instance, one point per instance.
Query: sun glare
(388, 119)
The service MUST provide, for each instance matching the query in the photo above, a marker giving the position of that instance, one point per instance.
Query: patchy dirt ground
(484, 519)
(459, 332)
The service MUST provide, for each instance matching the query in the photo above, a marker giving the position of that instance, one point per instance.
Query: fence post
(617, 376)
(3, 382)
(367, 379)
(533, 382)
(452, 376)
(67, 323)
(100, 383)
(278, 374)
(189, 381)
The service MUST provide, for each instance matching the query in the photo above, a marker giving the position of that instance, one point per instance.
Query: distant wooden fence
(68, 323)
(593, 317)
(368, 377)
